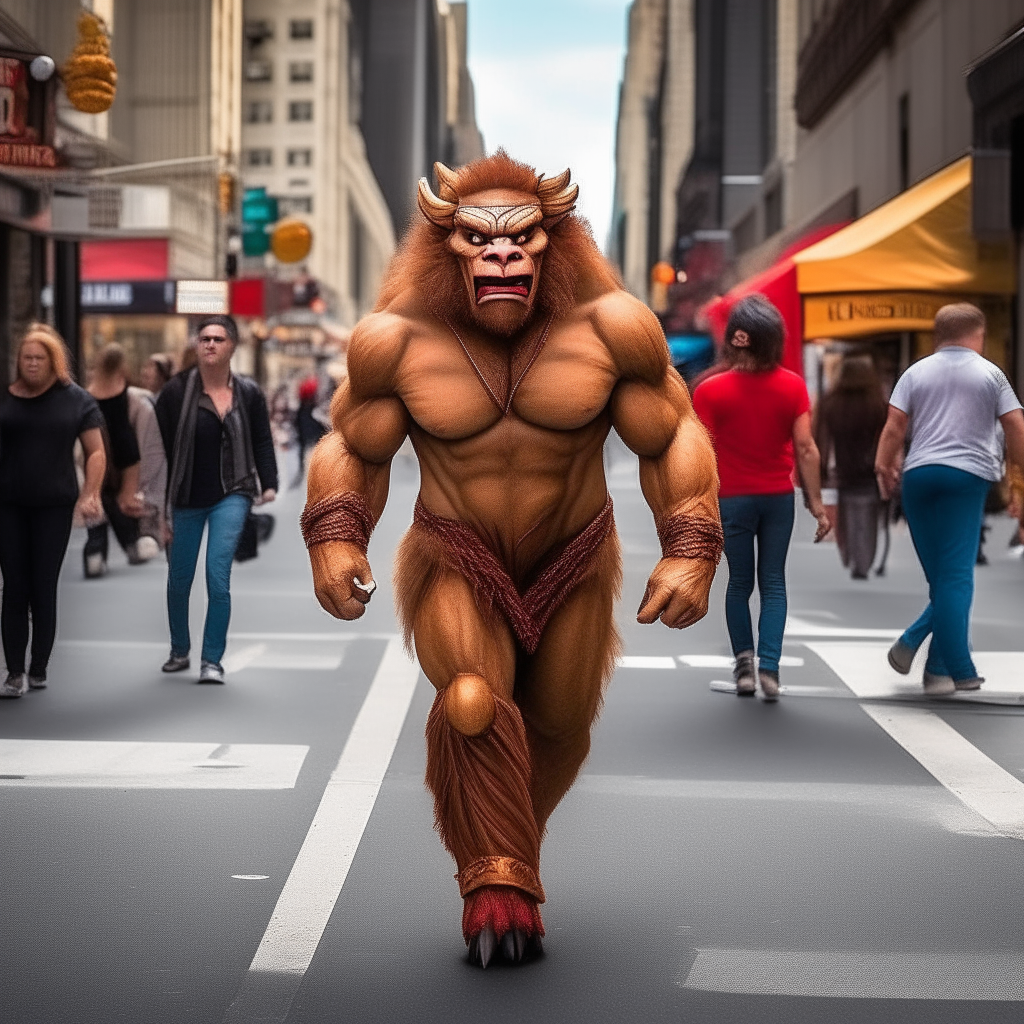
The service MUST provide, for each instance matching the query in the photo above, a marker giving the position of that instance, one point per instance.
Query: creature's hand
(341, 578)
(677, 592)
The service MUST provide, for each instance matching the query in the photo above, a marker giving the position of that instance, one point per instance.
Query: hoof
(482, 947)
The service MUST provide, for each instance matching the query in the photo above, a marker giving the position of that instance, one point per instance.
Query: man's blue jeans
(945, 508)
(769, 518)
(226, 520)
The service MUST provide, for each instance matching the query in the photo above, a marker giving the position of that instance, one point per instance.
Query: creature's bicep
(647, 416)
(371, 428)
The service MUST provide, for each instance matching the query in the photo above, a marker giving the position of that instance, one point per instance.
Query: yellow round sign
(291, 241)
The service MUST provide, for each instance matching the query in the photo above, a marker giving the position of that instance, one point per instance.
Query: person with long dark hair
(42, 414)
(220, 458)
(850, 420)
(758, 414)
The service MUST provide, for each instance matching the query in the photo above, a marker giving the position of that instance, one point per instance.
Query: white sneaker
(211, 672)
(95, 566)
(143, 550)
(15, 685)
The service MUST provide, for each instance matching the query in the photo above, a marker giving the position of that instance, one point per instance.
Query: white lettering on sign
(105, 293)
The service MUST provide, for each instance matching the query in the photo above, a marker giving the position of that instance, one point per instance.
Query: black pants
(33, 542)
(126, 529)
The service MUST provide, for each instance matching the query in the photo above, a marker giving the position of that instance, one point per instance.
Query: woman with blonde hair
(42, 414)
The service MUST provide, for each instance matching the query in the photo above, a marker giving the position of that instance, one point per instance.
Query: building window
(300, 28)
(300, 158)
(259, 112)
(300, 110)
(300, 71)
(744, 235)
(773, 211)
(257, 30)
(259, 157)
(259, 71)
(294, 204)
(298, 182)
(904, 141)
(356, 256)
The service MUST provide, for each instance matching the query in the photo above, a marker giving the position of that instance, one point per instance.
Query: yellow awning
(920, 241)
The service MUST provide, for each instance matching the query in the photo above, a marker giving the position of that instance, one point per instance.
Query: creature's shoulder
(632, 334)
(375, 352)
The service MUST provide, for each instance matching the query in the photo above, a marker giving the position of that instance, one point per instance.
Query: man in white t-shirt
(950, 403)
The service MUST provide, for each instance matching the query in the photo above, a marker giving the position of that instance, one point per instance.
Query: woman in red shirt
(758, 414)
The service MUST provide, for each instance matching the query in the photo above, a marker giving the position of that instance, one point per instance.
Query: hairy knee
(469, 705)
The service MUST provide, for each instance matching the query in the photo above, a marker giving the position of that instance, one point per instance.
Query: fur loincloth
(461, 549)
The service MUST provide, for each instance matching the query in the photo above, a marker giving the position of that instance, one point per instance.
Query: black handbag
(247, 541)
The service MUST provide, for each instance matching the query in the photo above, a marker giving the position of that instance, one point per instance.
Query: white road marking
(724, 661)
(91, 764)
(242, 657)
(864, 669)
(253, 878)
(787, 689)
(646, 661)
(322, 865)
(313, 637)
(801, 627)
(974, 975)
(965, 771)
(285, 662)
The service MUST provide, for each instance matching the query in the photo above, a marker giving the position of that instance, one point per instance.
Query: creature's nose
(502, 253)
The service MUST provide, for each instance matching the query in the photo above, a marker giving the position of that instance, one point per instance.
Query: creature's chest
(562, 385)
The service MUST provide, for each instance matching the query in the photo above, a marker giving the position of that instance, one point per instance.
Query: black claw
(534, 947)
(513, 945)
(482, 947)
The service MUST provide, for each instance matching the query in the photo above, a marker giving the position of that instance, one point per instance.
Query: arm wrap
(344, 516)
(684, 536)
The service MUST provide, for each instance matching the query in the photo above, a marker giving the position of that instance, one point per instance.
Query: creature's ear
(446, 183)
(437, 211)
(557, 197)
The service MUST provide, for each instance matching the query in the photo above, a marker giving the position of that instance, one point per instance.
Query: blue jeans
(226, 520)
(945, 508)
(769, 518)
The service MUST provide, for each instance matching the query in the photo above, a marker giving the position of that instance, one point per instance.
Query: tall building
(301, 141)
(706, 137)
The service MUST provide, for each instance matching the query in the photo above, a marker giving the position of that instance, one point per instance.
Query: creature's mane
(573, 269)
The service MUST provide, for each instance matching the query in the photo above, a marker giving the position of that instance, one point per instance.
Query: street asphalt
(832, 857)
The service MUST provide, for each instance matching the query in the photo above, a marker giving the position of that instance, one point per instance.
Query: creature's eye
(476, 239)
(523, 238)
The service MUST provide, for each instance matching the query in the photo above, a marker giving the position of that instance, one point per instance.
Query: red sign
(247, 296)
(19, 141)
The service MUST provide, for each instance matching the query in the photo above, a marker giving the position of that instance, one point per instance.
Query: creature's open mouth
(516, 288)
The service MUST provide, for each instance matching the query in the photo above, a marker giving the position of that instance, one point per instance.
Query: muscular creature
(504, 346)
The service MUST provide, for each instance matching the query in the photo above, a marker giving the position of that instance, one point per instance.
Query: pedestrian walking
(156, 371)
(122, 501)
(42, 414)
(220, 457)
(849, 422)
(308, 428)
(951, 403)
(758, 414)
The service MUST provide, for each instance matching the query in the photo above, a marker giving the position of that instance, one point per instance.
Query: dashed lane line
(964, 975)
(322, 865)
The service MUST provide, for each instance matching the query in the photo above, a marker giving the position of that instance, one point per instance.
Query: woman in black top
(220, 458)
(42, 414)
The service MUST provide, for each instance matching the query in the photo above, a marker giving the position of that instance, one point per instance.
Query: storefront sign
(106, 297)
(857, 314)
(199, 297)
(19, 141)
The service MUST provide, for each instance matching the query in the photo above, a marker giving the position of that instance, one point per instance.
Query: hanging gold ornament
(90, 75)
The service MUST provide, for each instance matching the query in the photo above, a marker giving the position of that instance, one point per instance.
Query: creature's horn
(437, 211)
(446, 182)
(557, 196)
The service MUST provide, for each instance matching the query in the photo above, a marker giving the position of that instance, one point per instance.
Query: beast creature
(505, 347)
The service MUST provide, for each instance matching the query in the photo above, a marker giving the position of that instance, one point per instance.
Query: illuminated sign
(19, 140)
(199, 297)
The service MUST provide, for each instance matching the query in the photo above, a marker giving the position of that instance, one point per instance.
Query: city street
(176, 852)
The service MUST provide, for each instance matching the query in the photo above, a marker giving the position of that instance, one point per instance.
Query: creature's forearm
(681, 487)
(345, 494)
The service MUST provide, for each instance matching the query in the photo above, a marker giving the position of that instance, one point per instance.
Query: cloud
(555, 109)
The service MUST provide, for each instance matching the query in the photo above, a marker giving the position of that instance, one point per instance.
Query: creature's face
(499, 242)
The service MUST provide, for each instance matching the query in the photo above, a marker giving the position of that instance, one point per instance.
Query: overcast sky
(547, 76)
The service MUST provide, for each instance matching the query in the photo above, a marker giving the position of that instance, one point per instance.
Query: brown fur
(481, 788)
